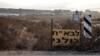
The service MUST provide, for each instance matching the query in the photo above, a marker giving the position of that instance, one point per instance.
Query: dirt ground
(46, 53)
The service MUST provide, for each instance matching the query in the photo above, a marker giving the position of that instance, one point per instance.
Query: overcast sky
(52, 4)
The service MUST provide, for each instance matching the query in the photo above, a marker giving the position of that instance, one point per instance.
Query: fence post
(51, 31)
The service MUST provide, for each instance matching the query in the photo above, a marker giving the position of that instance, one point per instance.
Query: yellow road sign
(61, 37)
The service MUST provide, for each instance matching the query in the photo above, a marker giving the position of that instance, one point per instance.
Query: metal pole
(51, 31)
(80, 30)
(80, 27)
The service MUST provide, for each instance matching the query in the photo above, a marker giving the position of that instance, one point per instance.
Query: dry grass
(16, 34)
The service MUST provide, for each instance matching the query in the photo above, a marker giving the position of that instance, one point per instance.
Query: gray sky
(52, 4)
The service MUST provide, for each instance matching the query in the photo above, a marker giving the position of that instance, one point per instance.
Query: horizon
(49, 9)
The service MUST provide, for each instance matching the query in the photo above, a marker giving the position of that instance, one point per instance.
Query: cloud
(3, 5)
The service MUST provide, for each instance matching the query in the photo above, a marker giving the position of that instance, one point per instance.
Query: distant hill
(34, 12)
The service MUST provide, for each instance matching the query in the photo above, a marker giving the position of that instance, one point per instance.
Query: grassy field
(20, 33)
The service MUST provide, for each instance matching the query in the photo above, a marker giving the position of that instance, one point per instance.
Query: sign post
(51, 31)
(87, 26)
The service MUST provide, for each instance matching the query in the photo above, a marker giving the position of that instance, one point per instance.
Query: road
(46, 53)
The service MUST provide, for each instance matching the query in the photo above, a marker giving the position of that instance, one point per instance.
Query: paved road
(45, 53)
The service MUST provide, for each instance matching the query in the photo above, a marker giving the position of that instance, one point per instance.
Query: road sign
(87, 26)
(76, 16)
(62, 37)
